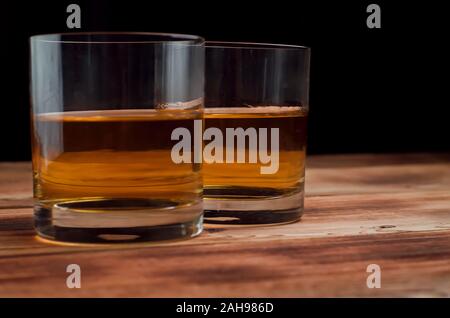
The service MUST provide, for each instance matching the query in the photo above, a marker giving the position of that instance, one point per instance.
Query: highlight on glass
(256, 107)
(104, 106)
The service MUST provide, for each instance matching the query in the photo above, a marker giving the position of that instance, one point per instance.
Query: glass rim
(254, 46)
(172, 38)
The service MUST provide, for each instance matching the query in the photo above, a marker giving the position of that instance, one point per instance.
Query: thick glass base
(246, 206)
(118, 221)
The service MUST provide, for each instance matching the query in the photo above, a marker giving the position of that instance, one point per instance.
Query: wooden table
(390, 210)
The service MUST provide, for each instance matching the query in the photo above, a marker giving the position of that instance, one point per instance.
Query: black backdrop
(372, 90)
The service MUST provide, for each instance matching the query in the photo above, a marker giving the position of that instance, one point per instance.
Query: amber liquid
(101, 162)
(242, 181)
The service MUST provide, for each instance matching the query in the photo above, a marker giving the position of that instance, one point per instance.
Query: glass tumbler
(104, 106)
(256, 106)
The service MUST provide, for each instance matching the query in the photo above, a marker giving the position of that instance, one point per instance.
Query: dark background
(372, 90)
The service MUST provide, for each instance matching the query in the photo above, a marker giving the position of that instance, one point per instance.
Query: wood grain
(391, 210)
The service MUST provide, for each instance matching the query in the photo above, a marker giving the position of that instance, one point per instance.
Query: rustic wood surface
(390, 210)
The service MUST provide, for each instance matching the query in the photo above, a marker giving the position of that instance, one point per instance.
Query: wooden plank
(15, 185)
(344, 174)
(327, 216)
(412, 264)
(392, 210)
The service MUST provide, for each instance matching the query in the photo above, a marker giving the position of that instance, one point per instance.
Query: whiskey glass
(103, 108)
(256, 107)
